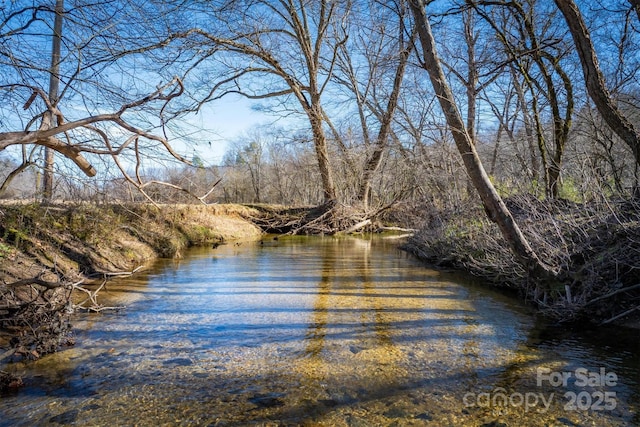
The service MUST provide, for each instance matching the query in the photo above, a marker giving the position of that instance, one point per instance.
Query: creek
(335, 331)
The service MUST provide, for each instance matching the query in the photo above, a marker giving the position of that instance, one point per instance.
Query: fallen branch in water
(621, 315)
(92, 296)
(404, 230)
(610, 294)
(398, 236)
(122, 273)
(36, 311)
(357, 226)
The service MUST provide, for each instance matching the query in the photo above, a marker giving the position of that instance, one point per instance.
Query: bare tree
(288, 47)
(538, 55)
(248, 152)
(54, 85)
(495, 207)
(383, 111)
(480, 58)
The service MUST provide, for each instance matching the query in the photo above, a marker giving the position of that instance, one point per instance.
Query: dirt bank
(48, 252)
(83, 240)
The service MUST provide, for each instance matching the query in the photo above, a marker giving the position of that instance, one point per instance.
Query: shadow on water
(322, 331)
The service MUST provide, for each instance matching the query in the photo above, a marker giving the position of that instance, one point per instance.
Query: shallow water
(323, 331)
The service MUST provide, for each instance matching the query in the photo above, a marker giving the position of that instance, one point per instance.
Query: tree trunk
(595, 80)
(54, 84)
(472, 73)
(495, 207)
(372, 165)
(322, 152)
(528, 127)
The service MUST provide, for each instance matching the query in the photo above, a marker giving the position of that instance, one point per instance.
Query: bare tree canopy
(91, 102)
(345, 79)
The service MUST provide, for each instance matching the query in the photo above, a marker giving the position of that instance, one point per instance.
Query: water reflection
(343, 273)
(316, 331)
(315, 336)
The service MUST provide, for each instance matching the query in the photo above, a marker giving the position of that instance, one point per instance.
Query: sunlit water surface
(321, 331)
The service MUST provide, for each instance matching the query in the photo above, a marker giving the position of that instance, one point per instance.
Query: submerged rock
(269, 400)
(65, 417)
(180, 361)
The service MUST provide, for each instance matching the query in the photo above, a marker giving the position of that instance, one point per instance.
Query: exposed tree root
(328, 218)
(35, 313)
(35, 316)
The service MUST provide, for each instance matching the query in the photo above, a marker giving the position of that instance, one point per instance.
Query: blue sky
(221, 122)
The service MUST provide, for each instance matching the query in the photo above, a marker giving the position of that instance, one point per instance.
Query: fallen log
(404, 230)
(357, 226)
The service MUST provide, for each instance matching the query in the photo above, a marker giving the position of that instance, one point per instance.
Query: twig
(610, 294)
(120, 273)
(625, 313)
(93, 297)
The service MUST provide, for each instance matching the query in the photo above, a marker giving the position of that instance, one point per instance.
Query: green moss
(570, 191)
(16, 236)
(5, 250)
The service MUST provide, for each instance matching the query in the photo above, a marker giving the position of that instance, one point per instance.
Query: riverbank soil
(48, 251)
(594, 247)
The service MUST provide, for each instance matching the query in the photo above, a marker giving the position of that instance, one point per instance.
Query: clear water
(321, 331)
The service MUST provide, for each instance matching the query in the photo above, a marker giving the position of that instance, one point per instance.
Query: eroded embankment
(45, 251)
(594, 247)
(82, 240)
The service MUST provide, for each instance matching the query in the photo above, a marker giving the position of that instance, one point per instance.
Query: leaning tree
(493, 203)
